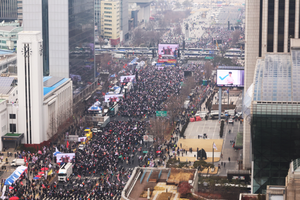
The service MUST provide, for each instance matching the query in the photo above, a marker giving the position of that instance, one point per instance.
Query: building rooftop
(51, 83)
(7, 28)
(6, 84)
(4, 52)
(277, 78)
(162, 182)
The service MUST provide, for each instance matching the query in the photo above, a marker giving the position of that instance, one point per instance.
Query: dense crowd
(153, 88)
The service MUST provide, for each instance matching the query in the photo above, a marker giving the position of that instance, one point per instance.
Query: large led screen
(230, 77)
(165, 50)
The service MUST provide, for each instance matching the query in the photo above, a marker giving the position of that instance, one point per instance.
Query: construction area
(158, 184)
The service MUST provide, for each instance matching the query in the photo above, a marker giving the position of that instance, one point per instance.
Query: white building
(43, 103)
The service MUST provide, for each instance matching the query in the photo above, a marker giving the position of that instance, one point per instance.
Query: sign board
(161, 113)
(64, 157)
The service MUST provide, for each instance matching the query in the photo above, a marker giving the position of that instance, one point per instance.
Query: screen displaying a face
(228, 77)
(168, 50)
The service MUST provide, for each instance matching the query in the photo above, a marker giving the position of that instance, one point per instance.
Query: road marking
(203, 127)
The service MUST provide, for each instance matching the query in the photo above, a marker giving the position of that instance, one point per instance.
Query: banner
(64, 157)
(166, 60)
(113, 97)
(127, 79)
(81, 139)
(168, 50)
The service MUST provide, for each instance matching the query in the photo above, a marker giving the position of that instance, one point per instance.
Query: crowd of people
(152, 89)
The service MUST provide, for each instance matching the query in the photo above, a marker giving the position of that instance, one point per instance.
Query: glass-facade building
(67, 28)
(81, 42)
(275, 118)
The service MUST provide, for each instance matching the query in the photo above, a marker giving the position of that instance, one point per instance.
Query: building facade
(275, 116)
(67, 28)
(8, 10)
(9, 37)
(43, 102)
(270, 24)
(111, 20)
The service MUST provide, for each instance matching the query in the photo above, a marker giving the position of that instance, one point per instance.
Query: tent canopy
(15, 175)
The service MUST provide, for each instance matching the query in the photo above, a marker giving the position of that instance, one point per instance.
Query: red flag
(79, 176)
(21, 183)
(126, 65)
(25, 159)
(103, 93)
(68, 144)
(43, 186)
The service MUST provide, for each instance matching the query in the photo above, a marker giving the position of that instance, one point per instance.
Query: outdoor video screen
(230, 77)
(168, 50)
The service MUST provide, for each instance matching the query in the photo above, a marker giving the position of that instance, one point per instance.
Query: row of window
(108, 4)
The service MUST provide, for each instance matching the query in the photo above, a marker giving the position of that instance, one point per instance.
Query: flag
(50, 172)
(79, 176)
(68, 144)
(214, 146)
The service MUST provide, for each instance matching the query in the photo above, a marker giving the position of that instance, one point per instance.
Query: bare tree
(138, 37)
(235, 36)
(52, 128)
(159, 129)
(208, 67)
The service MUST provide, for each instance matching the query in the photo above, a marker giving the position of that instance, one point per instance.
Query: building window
(108, 20)
(3, 128)
(107, 4)
(12, 116)
(107, 28)
(107, 12)
(270, 30)
(281, 26)
(107, 33)
(107, 25)
(12, 128)
(107, 16)
(108, 8)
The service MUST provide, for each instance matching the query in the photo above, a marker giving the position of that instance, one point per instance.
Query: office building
(8, 10)
(269, 26)
(20, 10)
(124, 20)
(67, 28)
(110, 20)
(98, 17)
(9, 37)
(274, 116)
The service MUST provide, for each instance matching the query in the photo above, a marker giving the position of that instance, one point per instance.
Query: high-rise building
(20, 10)
(8, 10)
(272, 76)
(269, 26)
(67, 28)
(124, 19)
(110, 20)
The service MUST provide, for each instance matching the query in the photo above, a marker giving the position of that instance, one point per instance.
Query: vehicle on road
(17, 162)
(230, 121)
(65, 172)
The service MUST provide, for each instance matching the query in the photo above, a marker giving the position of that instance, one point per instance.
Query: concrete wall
(58, 15)
(30, 87)
(251, 49)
